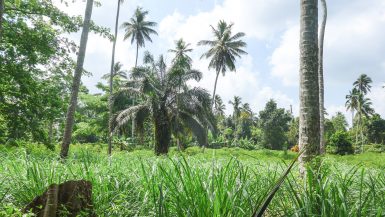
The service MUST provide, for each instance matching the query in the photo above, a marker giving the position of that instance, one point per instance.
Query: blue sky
(354, 44)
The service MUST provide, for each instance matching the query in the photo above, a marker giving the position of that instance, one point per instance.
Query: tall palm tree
(363, 109)
(352, 102)
(224, 50)
(110, 100)
(237, 103)
(309, 123)
(219, 106)
(76, 81)
(156, 86)
(321, 77)
(181, 66)
(139, 30)
(363, 84)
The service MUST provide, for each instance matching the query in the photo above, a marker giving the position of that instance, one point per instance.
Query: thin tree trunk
(215, 88)
(309, 119)
(133, 101)
(76, 81)
(321, 78)
(1, 19)
(177, 116)
(50, 132)
(110, 99)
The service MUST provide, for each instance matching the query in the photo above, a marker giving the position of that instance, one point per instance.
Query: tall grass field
(223, 182)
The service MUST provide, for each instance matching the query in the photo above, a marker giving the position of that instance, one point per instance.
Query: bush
(341, 142)
(85, 133)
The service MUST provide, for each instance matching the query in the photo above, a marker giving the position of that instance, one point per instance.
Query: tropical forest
(204, 108)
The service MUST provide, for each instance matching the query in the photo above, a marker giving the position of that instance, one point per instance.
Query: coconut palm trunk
(110, 99)
(309, 118)
(76, 81)
(215, 87)
(133, 100)
(1, 19)
(162, 131)
(321, 78)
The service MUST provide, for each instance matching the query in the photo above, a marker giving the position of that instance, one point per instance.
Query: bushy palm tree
(224, 50)
(159, 101)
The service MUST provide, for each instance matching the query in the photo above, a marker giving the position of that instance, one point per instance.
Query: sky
(354, 44)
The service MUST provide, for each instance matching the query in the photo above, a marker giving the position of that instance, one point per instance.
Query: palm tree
(236, 112)
(224, 50)
(110, 100)
(352, 102)
(181, 66)
(117, 71)
(139, 30)
(321, 78)
(363, 109)
(76, 81)
(363, 84)
(160, 101)
(181, 50)
(219, 107)
(236, 107)
(309, 123)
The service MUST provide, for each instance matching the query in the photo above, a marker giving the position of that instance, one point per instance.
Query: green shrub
(85, 133)
(341, 142)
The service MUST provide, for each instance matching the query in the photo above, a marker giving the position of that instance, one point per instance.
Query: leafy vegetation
(224, 182)
(207, 161)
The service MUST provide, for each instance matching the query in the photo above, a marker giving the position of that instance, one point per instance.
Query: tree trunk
(1, 19)
(50, 132)
(215, 88)
(309, 119)
(110, 99)
(162, 131)
(321, 78)
(50, 208)
(133, 102)
(76, 81)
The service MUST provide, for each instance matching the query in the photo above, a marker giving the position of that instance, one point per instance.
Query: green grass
(221, 182)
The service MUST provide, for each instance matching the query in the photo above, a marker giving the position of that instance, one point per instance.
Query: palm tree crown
(181, 50)
(138, 29)
(224, 48)
(363, 84)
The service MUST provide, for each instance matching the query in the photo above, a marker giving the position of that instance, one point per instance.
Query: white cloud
(377, 96)
(285, 58)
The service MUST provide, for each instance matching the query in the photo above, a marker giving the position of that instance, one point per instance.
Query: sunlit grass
(221, 182)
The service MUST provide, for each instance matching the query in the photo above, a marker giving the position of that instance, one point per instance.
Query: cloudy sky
(354, 44)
